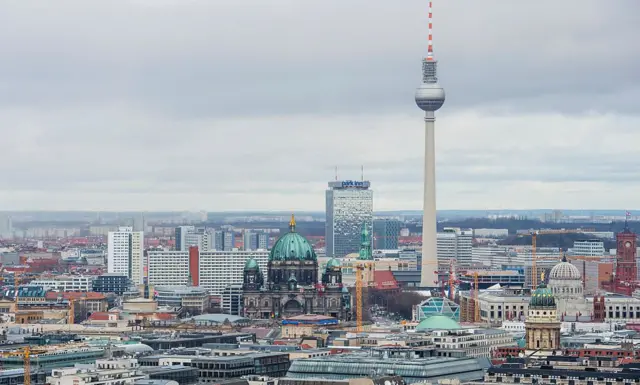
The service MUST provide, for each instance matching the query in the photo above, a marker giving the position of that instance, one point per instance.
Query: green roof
(438, 322)
(333, 263)
(542, 297)
(292, 247)
(251, 264)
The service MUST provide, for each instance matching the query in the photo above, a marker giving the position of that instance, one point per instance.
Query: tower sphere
(430, 96)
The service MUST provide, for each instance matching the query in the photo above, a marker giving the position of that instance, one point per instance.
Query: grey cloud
(249, 57)
(249, 104)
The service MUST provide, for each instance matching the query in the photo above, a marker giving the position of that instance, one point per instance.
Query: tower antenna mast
(430, 48)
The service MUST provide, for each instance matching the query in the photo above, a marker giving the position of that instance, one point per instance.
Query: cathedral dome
(542, 297)
(292, 247)
(565, 271)
(333, 263)
(251, 264)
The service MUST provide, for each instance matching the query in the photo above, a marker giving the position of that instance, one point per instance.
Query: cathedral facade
(292, 286)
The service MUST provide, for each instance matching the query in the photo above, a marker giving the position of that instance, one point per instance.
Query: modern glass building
(386, 233)
(349, 206)
(437, 306)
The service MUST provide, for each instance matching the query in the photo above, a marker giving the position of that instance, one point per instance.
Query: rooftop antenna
(430, 42)
(362, 173)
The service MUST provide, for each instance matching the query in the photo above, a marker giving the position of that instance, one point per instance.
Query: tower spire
(292, 223)
(430, 49)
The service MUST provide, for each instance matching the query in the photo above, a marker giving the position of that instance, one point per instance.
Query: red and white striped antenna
(430, 49)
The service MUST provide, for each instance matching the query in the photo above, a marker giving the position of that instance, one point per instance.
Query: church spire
(365, 244)
(292, 223)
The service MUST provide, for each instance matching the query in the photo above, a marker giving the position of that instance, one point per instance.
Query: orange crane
(476, 299)
(25, 353)
(534, 235)
(360, 268)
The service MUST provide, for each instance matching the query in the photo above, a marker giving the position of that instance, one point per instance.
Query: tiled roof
(74, 295)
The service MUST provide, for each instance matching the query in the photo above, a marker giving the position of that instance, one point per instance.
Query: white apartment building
(77, 283)
(168, 268)
(588, 248)
(216, 268)
(490, 233)
(493, 256)
(455, 244)
(125, 253)
(103, 372)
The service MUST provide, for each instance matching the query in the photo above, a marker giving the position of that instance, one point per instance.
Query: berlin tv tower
(429, 97)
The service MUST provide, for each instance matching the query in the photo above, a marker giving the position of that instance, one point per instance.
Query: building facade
(542, 326)
(125, 253)
(455, 244)
(386, 233)
(588, 248)
(66, 283)
(349, 204)
(212, 270)
(111, 283)
(181, 236)
(291, 286)
(194, 300)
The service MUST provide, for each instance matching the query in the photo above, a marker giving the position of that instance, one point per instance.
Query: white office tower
(202, 238)
(454, 244)
(349, 205)
(249, 240)
(588, 248)
(6, 227)
(181, 236)
(125, 253)
(429, 98)
(139, 222)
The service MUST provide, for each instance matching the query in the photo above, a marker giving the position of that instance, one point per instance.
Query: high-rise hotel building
(125, 253)
(349, 206)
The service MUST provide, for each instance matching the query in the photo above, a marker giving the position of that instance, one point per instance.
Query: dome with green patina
(437, 322)
(542, 297)
(333, 263)
(292, 247)
(251, 264)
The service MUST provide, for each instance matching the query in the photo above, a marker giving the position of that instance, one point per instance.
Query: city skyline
(129, 124)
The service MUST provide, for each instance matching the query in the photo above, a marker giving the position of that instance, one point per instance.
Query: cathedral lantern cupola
(332, 276)
(253, 279)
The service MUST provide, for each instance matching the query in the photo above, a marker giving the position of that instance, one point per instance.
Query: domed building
(292, 287)
(565, 282)
(542, 325)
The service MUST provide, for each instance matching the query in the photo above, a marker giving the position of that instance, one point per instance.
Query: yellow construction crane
(25, 353)
(534, 235)
(476, 299)
(360, 268)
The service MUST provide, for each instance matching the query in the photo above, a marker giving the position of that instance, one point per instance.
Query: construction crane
(360, 268)
(476, 299)
(534, 236)
(26, 354)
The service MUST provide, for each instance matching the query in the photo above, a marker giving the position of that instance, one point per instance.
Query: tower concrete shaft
(428, 276)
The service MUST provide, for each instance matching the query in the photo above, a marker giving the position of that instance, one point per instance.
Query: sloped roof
(67, 295)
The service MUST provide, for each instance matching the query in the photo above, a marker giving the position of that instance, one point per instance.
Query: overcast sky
(250, 104)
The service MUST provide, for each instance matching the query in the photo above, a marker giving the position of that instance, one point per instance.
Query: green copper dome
(292, 247)
(251, 264)
(333, 263)
(542, 297)
(437, 322)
